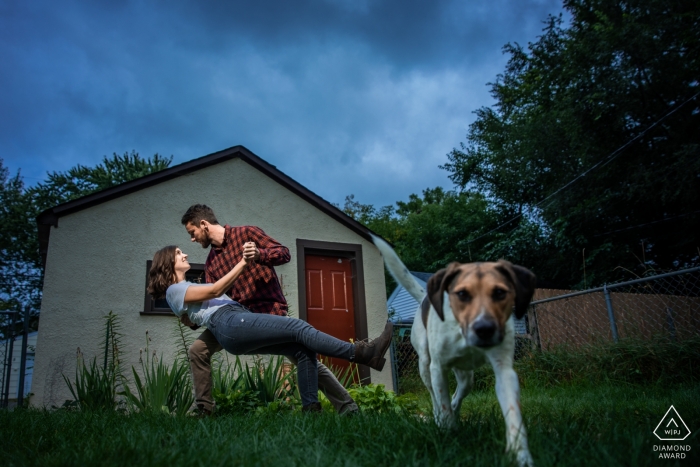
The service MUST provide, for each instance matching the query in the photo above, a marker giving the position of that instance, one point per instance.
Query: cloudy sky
(362, 97)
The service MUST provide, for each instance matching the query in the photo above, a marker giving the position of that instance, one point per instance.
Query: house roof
(401, 304)
(51, 216)
(424, 276)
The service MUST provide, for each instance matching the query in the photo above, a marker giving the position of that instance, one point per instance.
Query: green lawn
(587, 425)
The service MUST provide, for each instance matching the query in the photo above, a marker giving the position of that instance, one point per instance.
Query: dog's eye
(498, 294)
(463, 295)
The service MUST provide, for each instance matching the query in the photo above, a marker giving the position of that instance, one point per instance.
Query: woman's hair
(162, 272)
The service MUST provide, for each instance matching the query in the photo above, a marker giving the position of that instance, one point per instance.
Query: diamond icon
(672, 427)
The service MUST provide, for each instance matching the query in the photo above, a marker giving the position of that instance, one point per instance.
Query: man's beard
(205, 243)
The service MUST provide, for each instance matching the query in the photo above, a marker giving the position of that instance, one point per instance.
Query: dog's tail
(399, 270)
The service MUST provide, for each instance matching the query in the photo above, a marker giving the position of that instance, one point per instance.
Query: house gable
(50, 217)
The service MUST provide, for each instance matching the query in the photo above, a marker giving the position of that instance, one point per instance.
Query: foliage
(436, 228)
(240, 387)
(431, 230)
(236, 402)
(163, 388)
(564, 107)
(113, 339)
(270, 381)
(658, 361)
(95, 387)
(80, 180)
(347, 376)
(20, 280)
(373, 397)
(183, 336)
(568, 426)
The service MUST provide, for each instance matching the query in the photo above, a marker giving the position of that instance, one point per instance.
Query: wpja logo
(671, 428)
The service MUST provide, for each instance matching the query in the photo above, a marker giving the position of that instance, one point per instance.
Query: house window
(160, 306)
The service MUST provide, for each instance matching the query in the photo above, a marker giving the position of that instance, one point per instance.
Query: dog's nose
(484, 329)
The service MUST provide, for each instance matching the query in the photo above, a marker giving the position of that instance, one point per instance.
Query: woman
(240, 331)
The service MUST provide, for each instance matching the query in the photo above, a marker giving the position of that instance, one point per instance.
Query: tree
(429, 232)
(614, 96)
(19, 283)
(20, 263)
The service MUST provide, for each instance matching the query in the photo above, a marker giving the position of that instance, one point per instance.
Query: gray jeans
(242, 332)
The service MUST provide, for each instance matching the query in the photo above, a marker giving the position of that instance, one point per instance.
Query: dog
(465, 320)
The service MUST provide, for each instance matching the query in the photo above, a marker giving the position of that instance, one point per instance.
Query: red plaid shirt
(257, 287)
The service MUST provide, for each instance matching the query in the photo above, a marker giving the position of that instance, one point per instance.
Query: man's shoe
(314, 407)
(371, 353)
(201, 412)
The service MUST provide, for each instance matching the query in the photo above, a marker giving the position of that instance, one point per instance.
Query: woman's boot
(371, 353)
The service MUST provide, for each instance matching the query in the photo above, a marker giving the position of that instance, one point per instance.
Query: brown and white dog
(465, 320)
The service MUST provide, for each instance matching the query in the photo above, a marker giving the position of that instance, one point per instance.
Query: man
(257, 289)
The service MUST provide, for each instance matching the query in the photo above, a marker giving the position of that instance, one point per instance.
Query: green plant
(269, 381)
(348, 376)
(94, 389)
(226, 376)
(183, 336)
(235, 385)
(631, 361)
(373, 397)
(235, 402)
(163, 388)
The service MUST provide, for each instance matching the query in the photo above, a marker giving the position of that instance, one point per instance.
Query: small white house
(97, 250)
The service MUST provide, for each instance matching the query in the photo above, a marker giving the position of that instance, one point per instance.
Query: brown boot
(314, 407)
(371, 353)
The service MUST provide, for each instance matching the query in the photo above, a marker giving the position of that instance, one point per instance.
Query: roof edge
(50, 217)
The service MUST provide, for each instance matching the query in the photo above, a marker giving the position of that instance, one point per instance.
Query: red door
(329, 298)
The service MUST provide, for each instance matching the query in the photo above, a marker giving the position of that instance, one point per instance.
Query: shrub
(632, 361)
(240, 388)
(163, 388)
(373, 397)
(95, 387)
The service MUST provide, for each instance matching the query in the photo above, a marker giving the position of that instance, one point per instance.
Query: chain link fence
(661, 305)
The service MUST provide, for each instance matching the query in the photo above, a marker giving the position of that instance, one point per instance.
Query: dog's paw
(525, 459)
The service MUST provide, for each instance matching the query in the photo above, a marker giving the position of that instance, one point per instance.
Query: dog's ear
(524, 282)
(438, 283)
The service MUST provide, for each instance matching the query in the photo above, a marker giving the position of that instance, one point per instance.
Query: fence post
(611, 315)
(394, 365)
(671, 323)
(5, 402)
(23, 359)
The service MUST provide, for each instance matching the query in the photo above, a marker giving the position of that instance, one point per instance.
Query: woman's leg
(242, 332)
(307, 368)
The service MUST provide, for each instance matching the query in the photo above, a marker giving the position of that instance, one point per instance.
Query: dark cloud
(346, 96)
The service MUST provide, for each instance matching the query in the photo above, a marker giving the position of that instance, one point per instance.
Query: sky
(362, 97)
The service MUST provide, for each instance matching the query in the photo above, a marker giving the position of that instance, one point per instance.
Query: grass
(567, 425)
(582, 407)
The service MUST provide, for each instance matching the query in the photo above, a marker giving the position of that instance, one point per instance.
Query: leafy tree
(80, 180)
(20, 263)
(19, 283)
(429, 232)
(382, 221)
(614, 96)
(437, 226)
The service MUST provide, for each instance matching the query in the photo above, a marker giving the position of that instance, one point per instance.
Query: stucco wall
(97, 262)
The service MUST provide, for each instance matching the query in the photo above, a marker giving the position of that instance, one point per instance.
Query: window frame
(149, 305)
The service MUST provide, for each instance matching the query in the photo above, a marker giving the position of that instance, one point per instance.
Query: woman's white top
(200, 312)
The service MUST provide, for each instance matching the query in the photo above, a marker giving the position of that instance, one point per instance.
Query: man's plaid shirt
(257, 287)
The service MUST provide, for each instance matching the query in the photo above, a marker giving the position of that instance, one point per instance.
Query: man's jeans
(206, 345)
